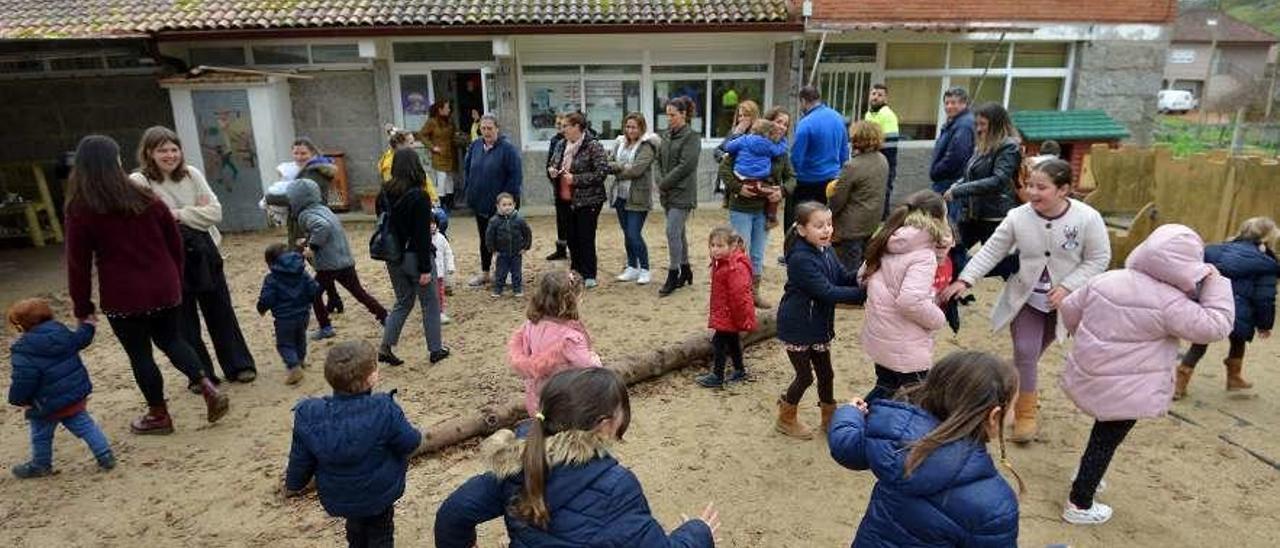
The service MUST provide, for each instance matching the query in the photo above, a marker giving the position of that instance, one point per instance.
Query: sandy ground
(1188, 481)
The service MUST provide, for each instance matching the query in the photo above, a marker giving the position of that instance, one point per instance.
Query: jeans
(486, 254)
(137, 333)
(351, 281)
(632, 223)
(512, 264)
(582, 240)
(80, 424)
(291, 340)
(812, 192)
(378, 531)
(564, 221)
(407, 288)
(888, 382)
(849, 253)
(1105, 437)
(677, 240)
(750, 225)
(1032, 331)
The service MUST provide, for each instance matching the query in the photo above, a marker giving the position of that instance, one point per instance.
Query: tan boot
(755, 294)
(1234, 380)
(788, 424)
(1024, 421)
(828, 409)
(1181, 381)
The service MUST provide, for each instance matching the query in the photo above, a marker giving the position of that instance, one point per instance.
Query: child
(902, 312)
(357, 445)
(288, 291)
(936, 484)
(324, 242)
(732, 306)
(397, 139)
(509, 237)
(553, 338)
(1249, 261)
(1127, 324)
(806, 315)
(753, 161)
(561, 485)
(444, 265)
(51, 383)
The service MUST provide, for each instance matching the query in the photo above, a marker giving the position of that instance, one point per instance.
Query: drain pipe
(818, 57)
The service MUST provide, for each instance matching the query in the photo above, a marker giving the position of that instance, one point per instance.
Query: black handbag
(383, 244)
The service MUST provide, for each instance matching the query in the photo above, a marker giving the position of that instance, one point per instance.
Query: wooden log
(634, 369)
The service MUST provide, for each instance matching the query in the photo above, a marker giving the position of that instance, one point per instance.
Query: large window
(915, 101)
(729, 85)
(294, 55)
(604, 93)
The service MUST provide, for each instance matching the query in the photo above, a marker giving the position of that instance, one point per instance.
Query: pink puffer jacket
(1127, 324)
(901, 314)
(539, 350)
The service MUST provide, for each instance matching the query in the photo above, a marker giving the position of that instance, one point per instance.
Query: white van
(1175, 100)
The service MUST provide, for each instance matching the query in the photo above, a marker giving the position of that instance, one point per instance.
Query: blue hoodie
(1253, 282)
(822, 146)
(287, 291)
(47, 372)
(754, 155)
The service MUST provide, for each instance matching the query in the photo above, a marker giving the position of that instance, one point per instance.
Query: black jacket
(411, 223)
(508, 234)
(986, 191)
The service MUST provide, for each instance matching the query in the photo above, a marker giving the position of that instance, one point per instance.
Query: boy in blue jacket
(288, 291)
(52, 384)
(357, 445)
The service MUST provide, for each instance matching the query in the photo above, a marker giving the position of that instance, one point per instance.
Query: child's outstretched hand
(860, 404)
(710, 516)
(91, 319)
(1057, 295)
(1264, 333)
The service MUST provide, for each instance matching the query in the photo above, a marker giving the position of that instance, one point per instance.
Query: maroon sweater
(139, 260)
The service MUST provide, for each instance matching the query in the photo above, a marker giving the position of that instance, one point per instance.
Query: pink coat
(1127, 324)
(901, 314)
(539, 350)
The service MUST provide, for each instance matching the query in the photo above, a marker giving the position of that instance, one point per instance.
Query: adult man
(821, 147)
(954, 146)
(879, 113)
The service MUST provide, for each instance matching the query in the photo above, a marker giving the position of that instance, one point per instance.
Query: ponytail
(531, 507)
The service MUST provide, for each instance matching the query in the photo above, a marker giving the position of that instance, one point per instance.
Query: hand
(710, 516)
(300, 242)
(1264, 333)
(743, 126)
(775, 194)
(202, 200)
(1213, 271)
(568, 178)
(861, 405)
(747, 191)
(947, 195)
(553, 172)
(956, 289)
(91, 319)
(1057, 295)
(424, 279)
(435, 149)
(308, 253)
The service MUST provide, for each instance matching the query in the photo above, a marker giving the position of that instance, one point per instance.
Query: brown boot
(155, 422)
(216, 403)
(828, 409)
(788, 424)
(755, 294)
(1181, 381)
(1024, 421)
(1234, 380)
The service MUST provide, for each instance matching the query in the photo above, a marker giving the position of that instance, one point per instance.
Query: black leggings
(1196, 352)
(807, 364)
(136, 333)
(888, 382)
(726, 345)
(1103, 441)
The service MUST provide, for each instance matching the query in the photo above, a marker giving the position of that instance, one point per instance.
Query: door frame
(429, 70)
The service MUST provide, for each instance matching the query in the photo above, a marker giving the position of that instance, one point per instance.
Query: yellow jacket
(384, 168)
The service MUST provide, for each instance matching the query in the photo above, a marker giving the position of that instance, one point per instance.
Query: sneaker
(738, 375)
(445, 319)
(1094, 515)
(518, 294)
(589, 283)
(643, 277)
(107, 461)
(323, 333)
(709, 380)
(629, 275)
(293, 376)
(495, 295)
(29, 470)
(1102, 484)
(479, 280)
(439, 355)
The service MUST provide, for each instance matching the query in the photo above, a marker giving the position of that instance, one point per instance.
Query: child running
(288, 291)
(508, 235)
(445, 265)
(1249, 260)
(1127, 324)
(936, 484)
(51, 383)
(553, 338)
(753, 156)
(902, 311)
(732, 305)
(806, 315)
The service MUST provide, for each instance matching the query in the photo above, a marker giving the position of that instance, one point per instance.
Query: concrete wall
(1121, 77)
(339, 110)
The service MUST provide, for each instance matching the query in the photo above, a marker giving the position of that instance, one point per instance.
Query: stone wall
(339, 110)
(1121, 77)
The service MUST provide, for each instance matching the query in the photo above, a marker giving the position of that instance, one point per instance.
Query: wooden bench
(37, 217)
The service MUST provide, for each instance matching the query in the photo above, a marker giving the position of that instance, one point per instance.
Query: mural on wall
(227, 146)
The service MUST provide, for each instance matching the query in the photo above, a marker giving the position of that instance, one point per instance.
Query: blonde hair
(866, 136)
(1261, 230)
(749, 108)
(762, 127)
(923, 209)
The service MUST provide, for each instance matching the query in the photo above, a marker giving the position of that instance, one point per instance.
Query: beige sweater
(190, 200)
(1074, 247)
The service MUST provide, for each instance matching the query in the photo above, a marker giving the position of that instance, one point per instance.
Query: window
(915, 56)
(549, 98)
(728, 85)
(981, 90)
(432, 52)
(604, 93)
(280, 55)
(916, 102)
(1035, 94)
(848, 53)
(217, 56)
(19, 66)
(979, 55)
(665, 90)
(725, 96)
(1038, 55)
(608, 102)
(335, 53)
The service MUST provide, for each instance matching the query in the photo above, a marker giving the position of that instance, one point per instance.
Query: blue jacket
(754, 154)
(1253, 282)
(491, 173)
(954, 498)
(357, 446)
(47, 372)
(595, 503)
(287, 290)
(815, 283)
(822, 146)
(952, 150)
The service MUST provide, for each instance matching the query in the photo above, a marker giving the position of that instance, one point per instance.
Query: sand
(1176, 482)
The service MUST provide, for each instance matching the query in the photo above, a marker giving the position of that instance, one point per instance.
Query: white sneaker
(642, 276)
(478, 280)
(445, 319)
(589, 283)
(1094, 515)
(1102, 484)
(628, 275)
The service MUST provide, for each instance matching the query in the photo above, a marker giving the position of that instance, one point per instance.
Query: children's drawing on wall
(226, 137)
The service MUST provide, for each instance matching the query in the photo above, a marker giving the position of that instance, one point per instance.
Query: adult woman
(1060, 244)
(858, 198)
(746, 114)
(633, 192)
(492, 166)
(746, 207)
(410, 217)
(128, 234)
(204, 284)
(580, 180)
(438, 134)
(314, 165)
(987, 193)
(678, 188)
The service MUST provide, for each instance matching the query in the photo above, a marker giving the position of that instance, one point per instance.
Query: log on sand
(634, 369)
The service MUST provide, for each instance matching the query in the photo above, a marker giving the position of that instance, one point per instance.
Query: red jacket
(139, 260)
(732, 308)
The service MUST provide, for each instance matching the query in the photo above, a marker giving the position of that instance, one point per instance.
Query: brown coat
(858, 198)
(439, 132)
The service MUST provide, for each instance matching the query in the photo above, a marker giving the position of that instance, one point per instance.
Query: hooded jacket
(815, 283)
(1253, 283)
(47, 372)
(1127, 324)
(593, 500)
(732, 307)
(489, 173)
(287, 291)
(636, 176)
(538, 350)
(508, 234)
(955, 497)
(901, 315)
(319, 225)
(322, 170)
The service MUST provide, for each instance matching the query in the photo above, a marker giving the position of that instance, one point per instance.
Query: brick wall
(1104, 11)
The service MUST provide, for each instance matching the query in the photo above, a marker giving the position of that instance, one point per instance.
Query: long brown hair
(923, 209)
(98, 182)
(576, 399)
(556, 296)
(999, 127)
(406, 172)
(960, 391)
(153, 138)
(804, 211)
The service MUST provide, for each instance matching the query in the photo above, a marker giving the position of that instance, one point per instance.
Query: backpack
(383, 244)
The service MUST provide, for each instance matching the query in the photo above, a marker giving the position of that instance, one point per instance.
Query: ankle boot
(788, 424)
(1234, 379)
(672, 283)
(1024, 421)
(755, 295)
(155, 422)
(828, 409)
(216, 403)
(562, 252)
(686, 274)
(1180, 383)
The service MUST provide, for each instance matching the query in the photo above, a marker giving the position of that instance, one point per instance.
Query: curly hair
(556, 296)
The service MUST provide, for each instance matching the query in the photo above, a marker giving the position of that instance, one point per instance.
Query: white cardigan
(181, 197)
(1074, 247)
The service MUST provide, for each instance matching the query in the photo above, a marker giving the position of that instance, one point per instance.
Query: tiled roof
(1193, 26)
(104, 18)
(1067, 125)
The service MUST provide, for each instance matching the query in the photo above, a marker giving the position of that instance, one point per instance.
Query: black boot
(562, 252)
(686, 275)
(673, 282)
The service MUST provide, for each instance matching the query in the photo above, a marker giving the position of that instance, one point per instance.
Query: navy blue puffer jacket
(954, 498)
(47, 372)
(288, 290)
(1253, 282)
(815, 283)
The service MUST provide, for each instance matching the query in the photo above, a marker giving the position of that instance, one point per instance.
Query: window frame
(311, 65)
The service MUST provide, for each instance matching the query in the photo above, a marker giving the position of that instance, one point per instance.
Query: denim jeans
(291, 340)
(407, 288)
(632, 223)
(512, 264)
(80, 424)
(751, 227)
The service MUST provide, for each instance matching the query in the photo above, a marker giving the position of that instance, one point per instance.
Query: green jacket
(678, 168)
(858, 198)
(640, 174)
(783, 174)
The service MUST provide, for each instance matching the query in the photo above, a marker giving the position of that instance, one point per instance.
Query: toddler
(288, 291)
(553, 338)
(445, 265)
(732, 306)
(509, 237)
(753, 156)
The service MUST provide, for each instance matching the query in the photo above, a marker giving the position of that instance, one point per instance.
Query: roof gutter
(468, 30)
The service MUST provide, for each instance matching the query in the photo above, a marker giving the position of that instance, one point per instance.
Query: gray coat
(678, 168)
(319, 226)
